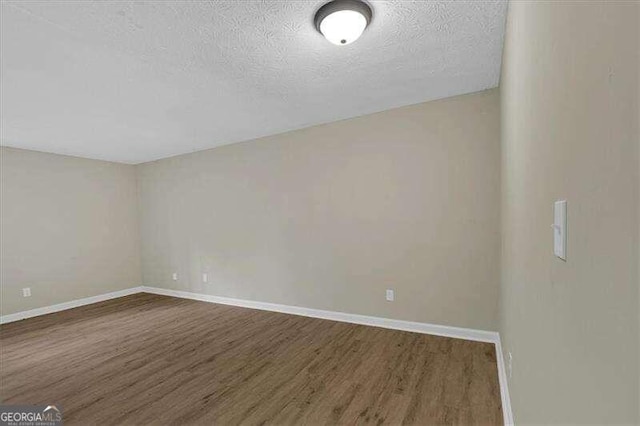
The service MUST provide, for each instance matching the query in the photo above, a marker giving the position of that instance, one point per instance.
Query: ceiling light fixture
(343, 21)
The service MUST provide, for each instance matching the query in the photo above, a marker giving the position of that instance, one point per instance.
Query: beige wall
(570, 130)
(69, 228)
(330, 216)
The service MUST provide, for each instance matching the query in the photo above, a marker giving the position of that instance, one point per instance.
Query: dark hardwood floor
(148, 359)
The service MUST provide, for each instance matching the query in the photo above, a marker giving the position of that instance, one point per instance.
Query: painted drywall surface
(69, 228)
(330, 216)
(569, 131)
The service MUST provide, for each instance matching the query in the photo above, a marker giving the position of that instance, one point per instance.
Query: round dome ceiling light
(343, 21)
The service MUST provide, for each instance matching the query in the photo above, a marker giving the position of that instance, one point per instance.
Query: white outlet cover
(174, 276)
(390, 296)
(26, 292)
(205, 278)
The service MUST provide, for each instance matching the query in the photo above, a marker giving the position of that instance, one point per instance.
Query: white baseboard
(67, 305)
(504, 388)
(418, 327)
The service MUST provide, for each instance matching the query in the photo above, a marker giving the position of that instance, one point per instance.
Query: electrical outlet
(390, 295)
(509, 364)
(205, 278)
(174, 276)
(26, 292)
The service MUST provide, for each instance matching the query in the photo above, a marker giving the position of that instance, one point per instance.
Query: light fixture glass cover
(343, 21)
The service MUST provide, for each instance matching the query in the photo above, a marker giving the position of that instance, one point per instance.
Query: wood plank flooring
(148, 359)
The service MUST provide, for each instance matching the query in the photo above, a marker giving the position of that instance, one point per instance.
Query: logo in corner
(30, 415)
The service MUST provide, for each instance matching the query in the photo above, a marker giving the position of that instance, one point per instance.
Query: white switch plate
(205, 278)
(174, 276)
(560, 229)
(26, 292)
(390, 296)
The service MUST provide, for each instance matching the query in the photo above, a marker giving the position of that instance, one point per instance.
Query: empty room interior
(319, 212)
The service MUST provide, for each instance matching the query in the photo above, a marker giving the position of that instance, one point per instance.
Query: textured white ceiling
(134, 81)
